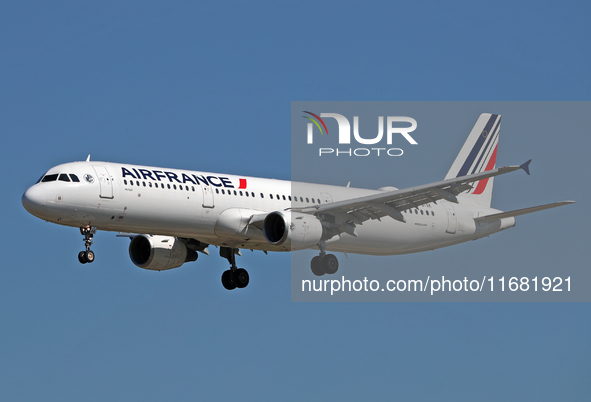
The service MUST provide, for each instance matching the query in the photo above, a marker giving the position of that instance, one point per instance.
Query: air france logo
(395, 125)
(181, 178)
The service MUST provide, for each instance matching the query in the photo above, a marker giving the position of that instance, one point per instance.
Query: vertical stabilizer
(479, 154)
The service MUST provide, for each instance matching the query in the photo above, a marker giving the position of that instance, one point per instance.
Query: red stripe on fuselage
(242, 183)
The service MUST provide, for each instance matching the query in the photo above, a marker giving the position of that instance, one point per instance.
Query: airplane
(171, 215)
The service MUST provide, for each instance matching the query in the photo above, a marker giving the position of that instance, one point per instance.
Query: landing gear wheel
(89, 256)
(228, 280)
(330, 264)
(241, 278)
(234, 277)
(316, 266)
(82, 257)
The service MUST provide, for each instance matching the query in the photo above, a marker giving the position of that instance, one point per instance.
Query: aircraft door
(207, 196)
(105, 181)
(207, 204)
(452, 219)
(326, 198)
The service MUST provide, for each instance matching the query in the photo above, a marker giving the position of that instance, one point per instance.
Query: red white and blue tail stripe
(479, 154)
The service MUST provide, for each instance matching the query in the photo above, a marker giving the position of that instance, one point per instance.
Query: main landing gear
(324, 263)
(234, 277)
(88, 255)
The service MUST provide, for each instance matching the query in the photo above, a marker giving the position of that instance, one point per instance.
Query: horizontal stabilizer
(523, 211)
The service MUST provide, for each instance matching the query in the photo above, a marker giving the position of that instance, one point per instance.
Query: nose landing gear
(88, 255)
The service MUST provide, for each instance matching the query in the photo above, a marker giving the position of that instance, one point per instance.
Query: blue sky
(208, 87)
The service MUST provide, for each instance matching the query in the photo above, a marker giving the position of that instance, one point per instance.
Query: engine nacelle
(159, 252)
(293, 230)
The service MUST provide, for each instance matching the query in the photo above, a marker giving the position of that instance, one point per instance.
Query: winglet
(525, 166)
(88, 159)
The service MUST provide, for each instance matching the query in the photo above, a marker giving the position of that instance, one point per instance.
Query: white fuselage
(216, 208)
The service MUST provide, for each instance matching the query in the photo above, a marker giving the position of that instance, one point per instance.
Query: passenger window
(246, 193)
(235, 192)
(421, 212)
(74, 178)
(223, 192)
(283, 197)
(50, 177)
(307, 200)
(262, 196)
(125, 182)
(168, 186)
(271, 196)
(289, 196)
(301, 199)
(240, 193)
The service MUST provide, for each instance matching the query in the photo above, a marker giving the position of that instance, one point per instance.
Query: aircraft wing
(391, 203)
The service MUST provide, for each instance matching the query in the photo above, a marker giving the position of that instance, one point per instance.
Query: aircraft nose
(34, 200)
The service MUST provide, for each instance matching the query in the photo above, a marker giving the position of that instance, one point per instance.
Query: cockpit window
(64, 177)
(68, 177)
(49, 177)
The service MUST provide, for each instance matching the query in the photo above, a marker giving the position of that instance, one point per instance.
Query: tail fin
(479, 154)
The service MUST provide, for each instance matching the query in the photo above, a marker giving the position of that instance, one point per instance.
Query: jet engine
(293, 230)
(159, 252)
